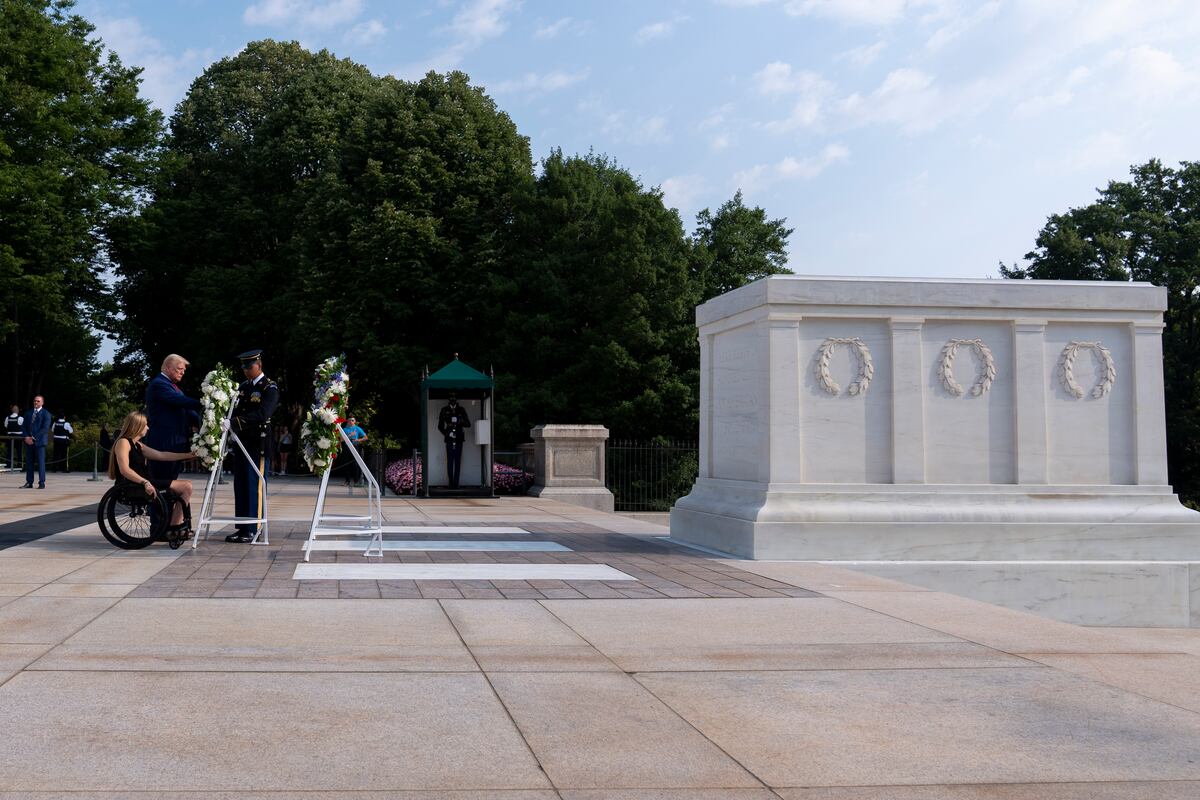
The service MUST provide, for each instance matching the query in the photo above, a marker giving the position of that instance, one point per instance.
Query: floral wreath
(1066, 369)
(216, 396)
(987, 367)
(319, 438)
(866, 369)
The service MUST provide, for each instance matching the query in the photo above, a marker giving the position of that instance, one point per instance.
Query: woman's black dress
(137, 463)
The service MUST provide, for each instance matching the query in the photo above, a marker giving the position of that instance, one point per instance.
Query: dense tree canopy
(1144, 229)
(76, 150)
(735, 246)
(300, 204)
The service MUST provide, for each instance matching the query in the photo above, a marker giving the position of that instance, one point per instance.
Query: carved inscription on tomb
(576, 462)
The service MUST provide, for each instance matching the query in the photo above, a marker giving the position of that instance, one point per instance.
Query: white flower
(320, 462)
(323, 443)
(202, 452)
(220, 396)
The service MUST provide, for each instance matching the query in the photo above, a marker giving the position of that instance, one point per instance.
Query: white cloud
(1149, 74)
(809, 88)
(1063, 95)
(762, 176)
(857, 12)
(481, 20)
(657, 30)
(306, 13)
(683, 192)
(165, 76)
(365, 33)
(535, 83)
(1104, 151)
(863, 56)
(960, 24)
(719, 142)
(907, 98)
(641, 130)
(475, 23)
(552, 29)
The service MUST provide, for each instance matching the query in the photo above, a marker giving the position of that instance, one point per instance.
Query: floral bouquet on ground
(319, 438)
(216, 395)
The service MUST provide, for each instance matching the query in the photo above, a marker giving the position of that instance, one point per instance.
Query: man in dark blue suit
(36, 429)
(171, 415)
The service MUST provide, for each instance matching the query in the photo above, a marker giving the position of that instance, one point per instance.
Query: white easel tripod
(328, 524)
(207, 520)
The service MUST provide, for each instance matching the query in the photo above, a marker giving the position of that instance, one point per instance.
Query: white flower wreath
(216, 395)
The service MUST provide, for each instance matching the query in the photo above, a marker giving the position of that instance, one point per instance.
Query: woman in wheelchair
(128, 467)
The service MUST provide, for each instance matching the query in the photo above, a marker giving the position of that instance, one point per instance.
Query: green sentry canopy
(457, 375)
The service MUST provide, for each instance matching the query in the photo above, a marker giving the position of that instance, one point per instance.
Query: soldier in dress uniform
(257, 397)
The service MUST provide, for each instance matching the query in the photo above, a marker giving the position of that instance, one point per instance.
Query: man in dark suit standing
(37, 432)
(171, 415)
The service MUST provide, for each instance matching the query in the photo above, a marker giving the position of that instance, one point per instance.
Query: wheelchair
(131, 519)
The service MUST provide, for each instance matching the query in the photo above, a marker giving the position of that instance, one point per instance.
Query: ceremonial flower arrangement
(318, 437)
(505, 479)
(216, 395)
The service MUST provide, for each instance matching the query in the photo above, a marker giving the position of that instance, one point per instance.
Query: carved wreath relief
(987, 367)
(866, 369)
(1108, 370)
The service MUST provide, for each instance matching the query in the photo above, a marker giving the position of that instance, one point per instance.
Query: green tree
(1145, 229)
(77, 146)
(736, 246)
(212, 266)
(597, 306)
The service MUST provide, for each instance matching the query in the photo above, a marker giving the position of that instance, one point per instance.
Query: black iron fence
(646, 476)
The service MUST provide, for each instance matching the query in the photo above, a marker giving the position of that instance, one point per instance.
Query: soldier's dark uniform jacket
(252, 417)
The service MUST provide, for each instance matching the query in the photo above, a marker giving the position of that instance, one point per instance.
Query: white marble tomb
(910, 425)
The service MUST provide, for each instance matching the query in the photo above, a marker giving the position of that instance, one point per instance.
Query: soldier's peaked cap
(251, 356)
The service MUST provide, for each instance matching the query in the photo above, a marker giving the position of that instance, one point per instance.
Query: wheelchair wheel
(132, 522)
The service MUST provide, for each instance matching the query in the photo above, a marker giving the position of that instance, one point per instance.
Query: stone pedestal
(1012, 428)
(569, 465)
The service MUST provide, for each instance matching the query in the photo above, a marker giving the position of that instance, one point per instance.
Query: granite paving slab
(940, 726)
(265, 635)
(243, 732)
(603, 730)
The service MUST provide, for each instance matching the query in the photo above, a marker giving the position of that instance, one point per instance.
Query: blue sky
(898, 137)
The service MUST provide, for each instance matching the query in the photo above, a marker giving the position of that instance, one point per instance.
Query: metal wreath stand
(207, 520)
(370, 524)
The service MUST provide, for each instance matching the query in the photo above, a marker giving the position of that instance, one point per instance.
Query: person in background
(106, 444)
(171, 415)
(62, 433)
(357, 437)
(12, 431)
(285, 448)
(36, 430)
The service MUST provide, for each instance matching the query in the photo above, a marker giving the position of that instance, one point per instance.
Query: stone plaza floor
(224, 672)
